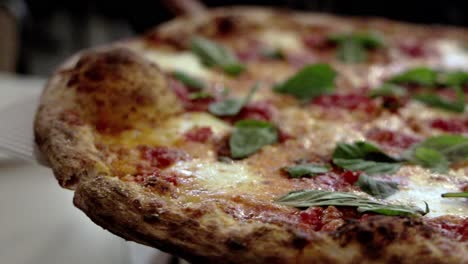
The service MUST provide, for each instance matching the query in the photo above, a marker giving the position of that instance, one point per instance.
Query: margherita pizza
(248, 135)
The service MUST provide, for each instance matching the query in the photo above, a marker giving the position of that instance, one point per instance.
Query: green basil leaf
(453, 147)
(352, 48)
(435, 100)
(351, 51)
(232, 106)
(249, 136)
(451, 79)
(190, 81)
(388, 89)
(199, 95)
(309, 198)
(363, 156)
(421, 76)
(228, 107)
(455, 195)
(376, 188)
(439, 152)
(311, 81)
(429, 158)
(394, 210)
(275, 54)
(213, 54)
(308, 169)
(369, 167)
(233, 69)
(368, 40)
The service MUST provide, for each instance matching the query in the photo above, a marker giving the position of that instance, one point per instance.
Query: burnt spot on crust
(236, 244)
(376, 233)
(118, 88)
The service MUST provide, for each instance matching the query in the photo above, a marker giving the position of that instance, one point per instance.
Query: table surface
(38, 222)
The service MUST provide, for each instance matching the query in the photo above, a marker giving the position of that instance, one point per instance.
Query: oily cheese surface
(150, 162)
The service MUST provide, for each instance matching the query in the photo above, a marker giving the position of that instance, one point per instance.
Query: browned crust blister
(200, 233)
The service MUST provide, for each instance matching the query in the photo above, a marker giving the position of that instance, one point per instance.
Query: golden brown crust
(200, 232)
(107, 89)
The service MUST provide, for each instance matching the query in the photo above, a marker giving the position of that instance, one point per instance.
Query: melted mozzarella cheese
(284, 40)
(171, 131)
(174, 128)
(217, 176)
(187, 121)
(426, 187)
(453, 56)
(183, 61)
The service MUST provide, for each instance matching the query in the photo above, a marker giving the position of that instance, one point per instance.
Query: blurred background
(37, 35)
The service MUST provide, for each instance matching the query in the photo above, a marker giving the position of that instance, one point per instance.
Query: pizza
(250, 135)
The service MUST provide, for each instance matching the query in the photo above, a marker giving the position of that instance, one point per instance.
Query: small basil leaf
(199, 95)
(232, 106)
(213, 54)
(190, 81)
(233, 69)
(455, 195)
(453, 147)
(309, 198)
(388, 89)
(458, 78)
(311, 81)
(429, 158)
(376, 188)
(435, 100)
(369, 167)
(228, 107)
(366, 39)
(351, 51)
(309, 169)
(249, 136)
(421, 76)
(275, 54)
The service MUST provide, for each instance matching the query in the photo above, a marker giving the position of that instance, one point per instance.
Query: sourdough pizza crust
(112, 88)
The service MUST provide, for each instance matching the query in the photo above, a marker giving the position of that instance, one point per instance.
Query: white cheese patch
(183, 61)
(285, 40)
(174, 128)
(423, 187)
(453, 56)
(217, 176)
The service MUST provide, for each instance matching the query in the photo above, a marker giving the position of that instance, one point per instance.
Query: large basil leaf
(249, 136)
(311, 81)
(363, 156)
(308, 198)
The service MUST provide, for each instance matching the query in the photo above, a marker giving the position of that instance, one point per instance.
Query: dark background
(49, 31)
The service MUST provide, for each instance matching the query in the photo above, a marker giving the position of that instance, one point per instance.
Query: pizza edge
(130, 212)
